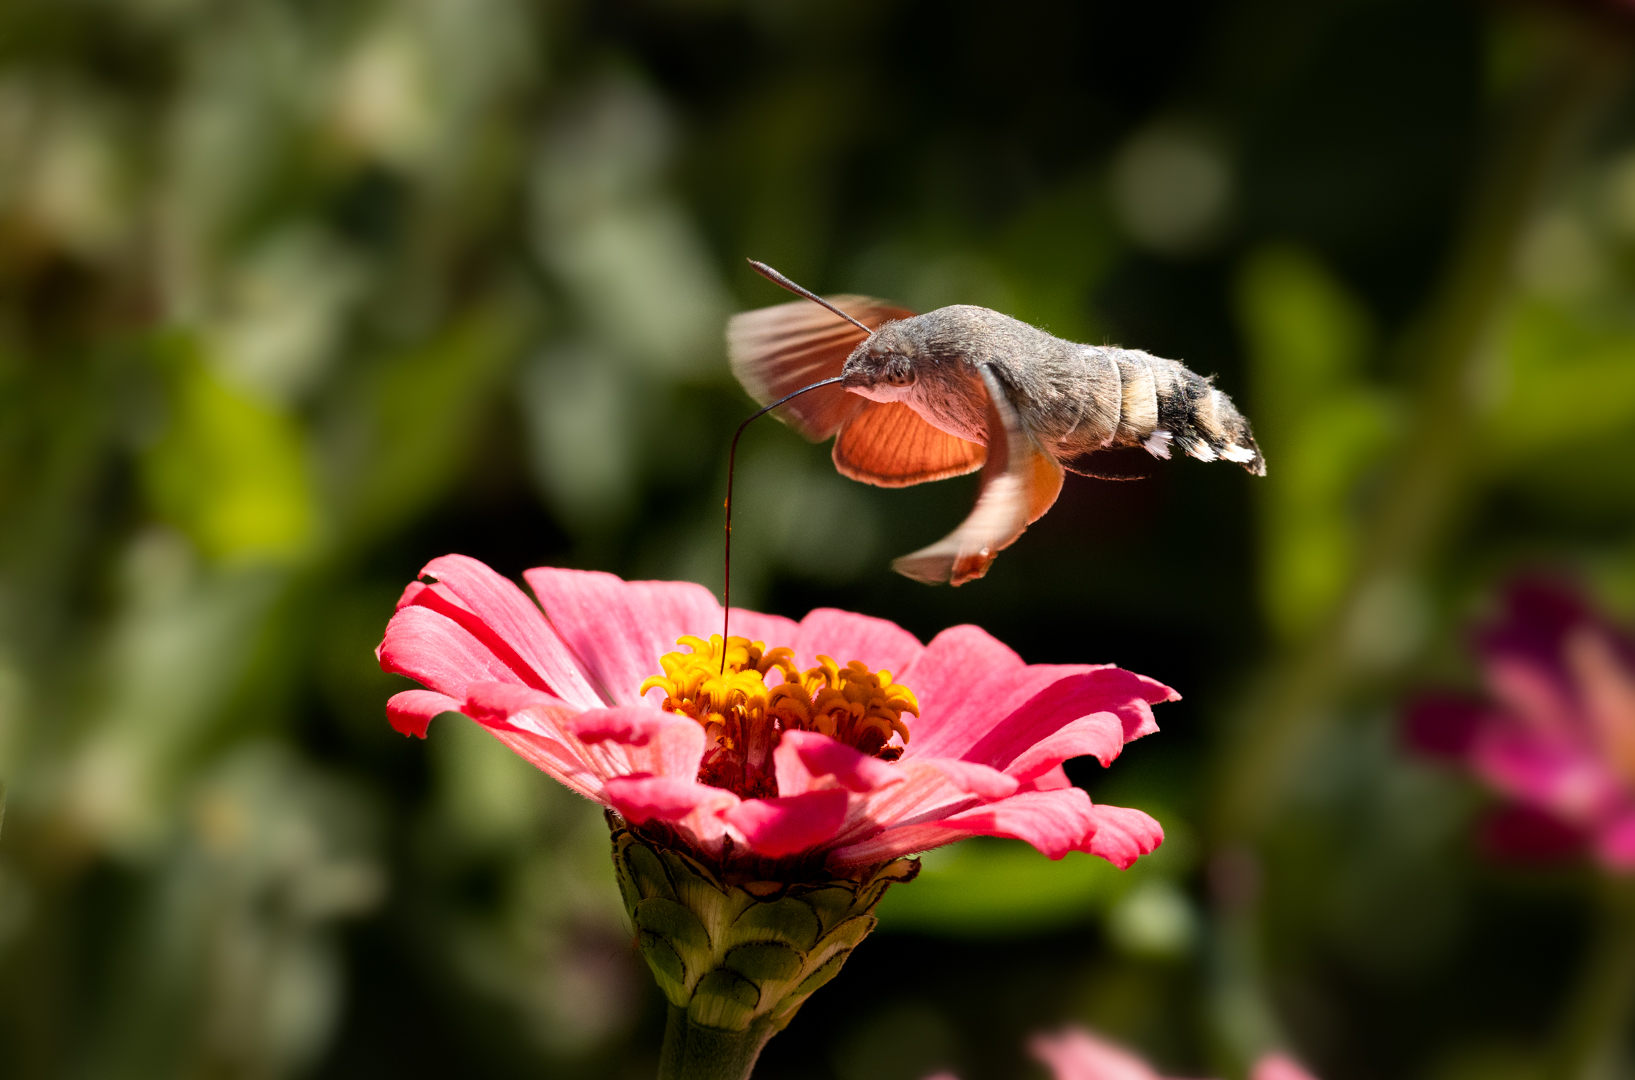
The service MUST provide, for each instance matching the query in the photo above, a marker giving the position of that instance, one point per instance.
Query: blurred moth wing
(1020, 481)
(777, 350)
(888, 444)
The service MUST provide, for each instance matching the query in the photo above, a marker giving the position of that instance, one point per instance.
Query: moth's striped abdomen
(1163, 403)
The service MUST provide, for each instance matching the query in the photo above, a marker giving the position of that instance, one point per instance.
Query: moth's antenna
(772, 275)
(732, 460)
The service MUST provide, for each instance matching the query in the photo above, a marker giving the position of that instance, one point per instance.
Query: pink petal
(924, 790)
(1050, 780)
(1561, 777)
(981, 703)
(1279, 1067)
(410, 591)
(675, 747)
(1100, 736)
(1075, 1054)
(1534, 695)
(439, 653)
(789, 823)
(628, 740)
(804, 757)
(1072, 693)
(665, 798)
(846, 636)
(773, 630)
(971, 778)
(411, 711)
(618, 629)
(1615, 843)
(554, 758)
(959, 662)
(514, 623)
(1055, 822)
(488, 702)
(1123, 834)
(632, 725)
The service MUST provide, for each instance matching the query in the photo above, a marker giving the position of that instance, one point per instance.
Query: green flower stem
(692, 1052)
(1598, 1022)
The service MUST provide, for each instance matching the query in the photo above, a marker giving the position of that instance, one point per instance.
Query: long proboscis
(800, 290)
(732, 462)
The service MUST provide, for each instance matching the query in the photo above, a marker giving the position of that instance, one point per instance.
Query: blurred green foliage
(295, 297)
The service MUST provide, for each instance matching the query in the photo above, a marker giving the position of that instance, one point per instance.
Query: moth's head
(882, 367)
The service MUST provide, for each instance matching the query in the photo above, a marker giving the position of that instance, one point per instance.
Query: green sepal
(738, 953)
(786, 920)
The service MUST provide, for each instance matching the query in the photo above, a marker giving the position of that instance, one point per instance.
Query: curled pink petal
(439, 653)
(411, 711)
(1076, 693)
(1054, 822)
(1100, 736)
(1122, 834)
(488, 702)
(790, 823)
(664, 798)
(985, 705)
(803, 757)
(410, 591)
(500, 616)
(632, 725)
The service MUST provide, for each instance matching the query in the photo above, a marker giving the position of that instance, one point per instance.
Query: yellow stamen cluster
(744, 716)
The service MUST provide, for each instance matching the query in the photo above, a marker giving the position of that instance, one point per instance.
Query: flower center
(744, 716)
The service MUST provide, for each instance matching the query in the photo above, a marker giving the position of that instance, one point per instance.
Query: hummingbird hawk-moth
(914, 398)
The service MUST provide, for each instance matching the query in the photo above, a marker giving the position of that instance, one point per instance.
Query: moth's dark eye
(899, 372)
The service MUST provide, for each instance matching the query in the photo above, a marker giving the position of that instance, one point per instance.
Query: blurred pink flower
(817, 765)
(1557, 733)
(1075, 1054)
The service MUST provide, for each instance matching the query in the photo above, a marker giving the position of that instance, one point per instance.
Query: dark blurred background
(295, 296)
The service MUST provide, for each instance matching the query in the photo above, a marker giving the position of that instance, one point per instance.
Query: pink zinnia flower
(1558, 733)
(1075, 1054)
(781, 755)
